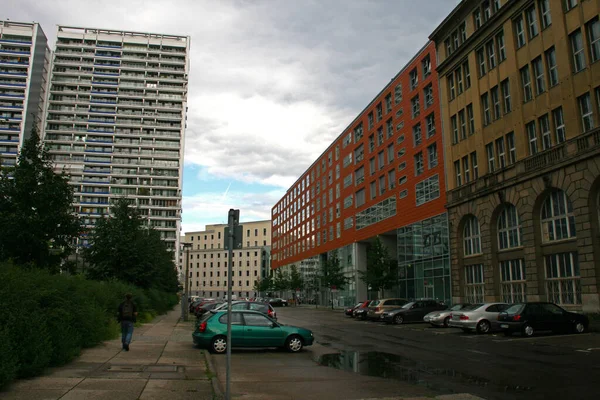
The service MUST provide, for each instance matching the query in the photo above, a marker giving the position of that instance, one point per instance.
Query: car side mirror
(272, 324)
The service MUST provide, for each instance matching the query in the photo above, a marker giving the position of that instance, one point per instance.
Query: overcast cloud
(272, 83)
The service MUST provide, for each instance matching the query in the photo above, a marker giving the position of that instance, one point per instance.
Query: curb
(214, 380)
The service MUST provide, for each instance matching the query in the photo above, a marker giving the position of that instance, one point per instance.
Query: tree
(382, 272)
(122, 248)
(281, 281)
(332, 274)
(38, 226)
(296, 282)
(263, 285)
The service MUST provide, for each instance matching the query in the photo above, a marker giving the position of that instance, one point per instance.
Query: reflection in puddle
(392, 366)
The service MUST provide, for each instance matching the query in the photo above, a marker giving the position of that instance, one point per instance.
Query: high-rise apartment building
(520, 95)
(24, 65)
(208, 260)
(115, 121)
(383, 176)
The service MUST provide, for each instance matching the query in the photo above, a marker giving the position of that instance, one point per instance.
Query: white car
(482, 318)
(442, 318)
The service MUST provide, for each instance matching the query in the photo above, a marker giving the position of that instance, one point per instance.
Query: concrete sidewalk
(162, 364)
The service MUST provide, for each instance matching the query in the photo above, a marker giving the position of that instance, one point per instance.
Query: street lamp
(184, 297)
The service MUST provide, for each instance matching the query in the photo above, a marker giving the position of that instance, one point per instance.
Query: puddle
(392, 366)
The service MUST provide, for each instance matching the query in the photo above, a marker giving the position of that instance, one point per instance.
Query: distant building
(209, 260)
(24, 65)
(519, 92)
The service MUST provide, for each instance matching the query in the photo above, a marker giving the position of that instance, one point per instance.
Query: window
(472, 237)
(373, 190)
(388, 103)
(563, 280)
(552, 68)
(505, 86)
(457, 173)
(463, 124)
(454, 129)
(481, 62)
(570, 4)
(382, 184)
(451, 87)
(390, 153)
(496, 102)
(463, 32)
(544, 123)
(538, 71)
(467, 74)
(526, 81)
(587, 115)
(558, 221)
(532, 138)
(593, 28)
(489, 149)
(427, 190)
(532, 22)
(465, 162)
(414, 79)
(512, 150)
(381, 159)
(380, 136)
(372, 169)
(430, 120)
(392, 179)
(513, 281)
(519, 32)
(371, 143)
(474, 165)
(544, 6)
(360, 198)
(419, 165)
(577, 47)
(491, 54)
(428, 94)
(485, 106)
(559, 125)
(414, 102)
(426, 64)
(432, 155)
(501, 151)
(471, 119)
(402, 180)
(477, 18)
(417, 139)
(509, 228)
(487, 12)
(390, 128)
(398, 93)
(370, 121)
(501, 47)
(379, 111)
(474, 284)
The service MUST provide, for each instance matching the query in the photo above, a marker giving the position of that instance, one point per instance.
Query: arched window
(509, 228)
(558, 221)
(472, 237)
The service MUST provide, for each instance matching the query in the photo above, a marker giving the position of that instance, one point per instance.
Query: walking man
(127, 316)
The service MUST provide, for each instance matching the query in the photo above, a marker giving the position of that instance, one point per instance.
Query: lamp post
(184, 297)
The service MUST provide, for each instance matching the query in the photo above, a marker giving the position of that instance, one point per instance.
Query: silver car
(481, 318)
(442, 318)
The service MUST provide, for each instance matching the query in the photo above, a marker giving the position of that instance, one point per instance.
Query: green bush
(45, 320)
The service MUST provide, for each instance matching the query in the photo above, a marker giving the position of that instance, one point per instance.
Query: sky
(272, 82)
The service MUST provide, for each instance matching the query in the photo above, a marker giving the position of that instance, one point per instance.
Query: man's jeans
(126, 331)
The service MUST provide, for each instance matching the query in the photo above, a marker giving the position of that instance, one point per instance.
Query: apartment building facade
(520, 95)
(382, 177)
(208, 260)
(24, 66)
(116, 119)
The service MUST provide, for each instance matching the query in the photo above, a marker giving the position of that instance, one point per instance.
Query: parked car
(350, 310)
(278, 302)
(248, 329)
(412, 311)
(441, 318)
(264, 308)
(204, 308)
(377, 307)
(528, 318)
(361, 311)
(482, 318)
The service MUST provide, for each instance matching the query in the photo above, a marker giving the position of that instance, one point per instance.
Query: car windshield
(408, 305)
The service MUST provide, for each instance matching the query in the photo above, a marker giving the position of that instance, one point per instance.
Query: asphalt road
(450, 361)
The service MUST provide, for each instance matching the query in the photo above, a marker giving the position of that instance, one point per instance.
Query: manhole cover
(161, 368)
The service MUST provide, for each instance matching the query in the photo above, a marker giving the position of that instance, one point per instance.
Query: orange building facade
(382, 177)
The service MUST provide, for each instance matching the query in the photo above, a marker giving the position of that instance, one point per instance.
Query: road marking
(542, 337)
(583, 351)
(479, 352)
(469, 337)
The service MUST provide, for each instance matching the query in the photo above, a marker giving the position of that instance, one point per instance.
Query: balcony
(555, 157)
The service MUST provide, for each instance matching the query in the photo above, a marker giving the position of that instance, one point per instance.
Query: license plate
(504, 326)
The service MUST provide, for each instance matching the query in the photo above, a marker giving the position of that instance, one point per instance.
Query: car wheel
(579, 327)
(219, 345)
(528, 330)
(446, 322)
(398, 319)
(483, 327)
(294, 344)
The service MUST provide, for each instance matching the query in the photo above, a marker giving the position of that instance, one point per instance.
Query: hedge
(45, 320)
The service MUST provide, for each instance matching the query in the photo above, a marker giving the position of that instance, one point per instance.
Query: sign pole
(233, 220)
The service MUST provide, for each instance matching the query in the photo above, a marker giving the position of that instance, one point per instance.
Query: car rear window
(375, 303)
(515, 308)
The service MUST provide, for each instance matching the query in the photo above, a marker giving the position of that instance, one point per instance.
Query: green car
(248, 329)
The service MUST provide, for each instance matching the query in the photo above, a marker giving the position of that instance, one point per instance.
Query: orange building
(383, 176)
